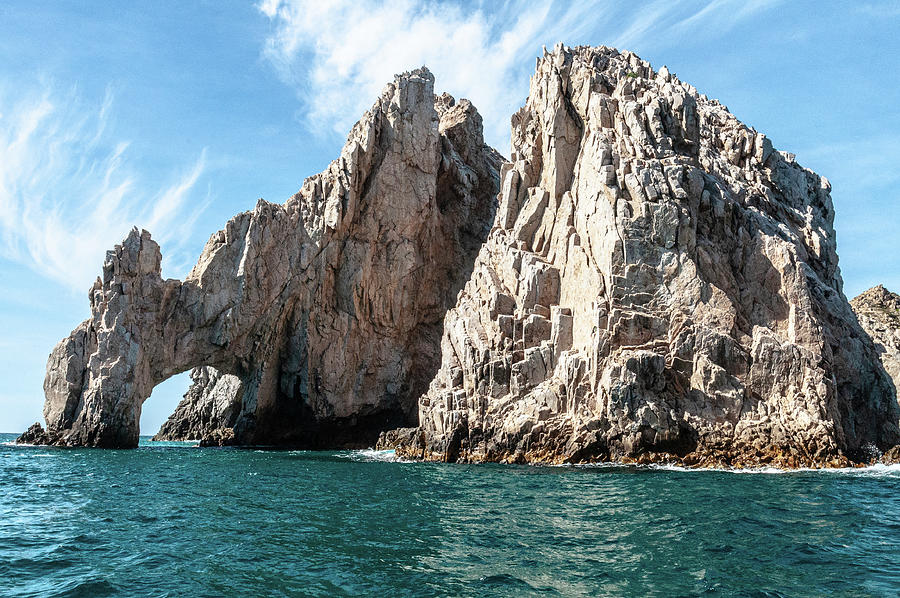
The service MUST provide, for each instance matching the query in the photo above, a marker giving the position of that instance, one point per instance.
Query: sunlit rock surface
(660, 284)
(211, 404)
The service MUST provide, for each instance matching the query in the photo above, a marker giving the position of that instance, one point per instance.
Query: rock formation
(878, 311)
(326, 310)
(35, 434)
(659, 284)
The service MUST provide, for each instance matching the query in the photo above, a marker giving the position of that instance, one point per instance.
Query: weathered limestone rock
(891, 456)
(878, 311)
(327, 309)
(659, 284)
(390, 439)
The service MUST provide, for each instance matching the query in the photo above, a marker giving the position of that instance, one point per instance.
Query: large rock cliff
(327, 310)
(659, 284)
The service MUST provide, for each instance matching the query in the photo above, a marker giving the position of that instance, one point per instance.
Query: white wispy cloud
(879, 10)
(339, 54)
(721, 16)
(69, 190)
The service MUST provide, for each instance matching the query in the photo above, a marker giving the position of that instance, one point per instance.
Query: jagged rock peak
(659, 284)
(878, 300)
(323, 314)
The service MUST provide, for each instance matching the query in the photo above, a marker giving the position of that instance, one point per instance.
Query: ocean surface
(168, 519)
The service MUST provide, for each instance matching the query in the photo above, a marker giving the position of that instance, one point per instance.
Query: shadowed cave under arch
(212, 408)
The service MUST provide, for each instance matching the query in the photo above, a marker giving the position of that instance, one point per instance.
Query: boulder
(35, 434)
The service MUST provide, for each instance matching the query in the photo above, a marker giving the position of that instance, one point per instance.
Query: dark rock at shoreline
(35, 434)
(220, 437)
(405, 437)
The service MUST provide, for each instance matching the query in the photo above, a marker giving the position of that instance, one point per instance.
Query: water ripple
(171, 520)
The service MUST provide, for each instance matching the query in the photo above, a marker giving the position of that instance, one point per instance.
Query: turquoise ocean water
(171, 520)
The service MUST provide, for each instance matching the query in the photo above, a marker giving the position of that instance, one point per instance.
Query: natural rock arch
(328, 308)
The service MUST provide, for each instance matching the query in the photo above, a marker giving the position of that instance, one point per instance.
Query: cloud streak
(69, 191)
(338, 55)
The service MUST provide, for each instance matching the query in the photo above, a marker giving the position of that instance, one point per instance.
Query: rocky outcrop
(211, 404)
(659, 284)
(327, 309)
(35, 434)
(219, 437)
(891, 456)
(878, 311)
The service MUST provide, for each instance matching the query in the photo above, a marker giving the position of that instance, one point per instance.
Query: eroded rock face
(327, 309)
(878, 311)
(660, 283)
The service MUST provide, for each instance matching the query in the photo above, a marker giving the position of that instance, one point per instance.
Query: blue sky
(174, 116)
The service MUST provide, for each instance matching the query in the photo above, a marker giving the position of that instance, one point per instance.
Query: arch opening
(207, 411)
(162, 403)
